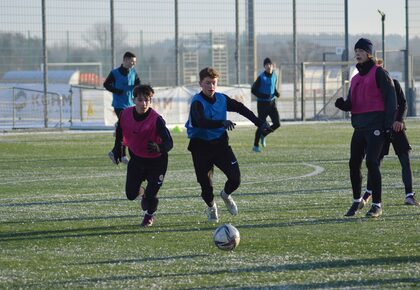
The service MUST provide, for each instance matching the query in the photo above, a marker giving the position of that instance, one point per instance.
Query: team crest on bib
(376, 132)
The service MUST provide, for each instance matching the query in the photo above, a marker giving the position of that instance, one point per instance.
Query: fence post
(314, 95)
(71, 105)
(81, 104)
(14, 108)
(302, 93)
(45, 62)
(61, 110)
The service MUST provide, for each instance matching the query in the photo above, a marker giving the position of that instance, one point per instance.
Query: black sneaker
(410, 200)
(354, 208)
(147, 220)
(375, 211)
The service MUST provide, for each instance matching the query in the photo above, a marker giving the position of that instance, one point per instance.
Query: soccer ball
(226, 237)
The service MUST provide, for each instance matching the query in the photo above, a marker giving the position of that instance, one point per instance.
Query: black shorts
(152, 170)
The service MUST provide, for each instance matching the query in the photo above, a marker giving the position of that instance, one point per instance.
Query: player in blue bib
(209, 145)
(264, 88)
(121, 82)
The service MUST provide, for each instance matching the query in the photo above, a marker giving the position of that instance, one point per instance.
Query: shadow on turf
(23, 204)
(70, 219)
(164, 228)
(65, 202)
(142, 260)
(311, 266)
(350, 284)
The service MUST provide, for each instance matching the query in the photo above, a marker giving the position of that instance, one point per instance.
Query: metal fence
(174, 39)
(23, 107)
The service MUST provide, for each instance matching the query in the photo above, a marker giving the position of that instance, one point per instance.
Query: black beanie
(365, 44)
(267, 61)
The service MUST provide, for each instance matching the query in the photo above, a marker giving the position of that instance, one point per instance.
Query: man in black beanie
(366, 45)
(372, 102)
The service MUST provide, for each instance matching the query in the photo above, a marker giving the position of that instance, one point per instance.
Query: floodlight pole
(383, 35)
(112, 34)
(45, 61)
(237, 41)
(409, 92)
(177, 82)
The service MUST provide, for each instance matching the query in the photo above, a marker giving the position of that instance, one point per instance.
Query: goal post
(321, 84)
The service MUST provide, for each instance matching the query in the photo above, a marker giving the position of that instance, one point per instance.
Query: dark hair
(267, 60)
(128, 54)
(143, 90)
(209, 72)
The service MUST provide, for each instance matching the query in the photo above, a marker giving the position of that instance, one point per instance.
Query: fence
(22, 107)
(174, 39)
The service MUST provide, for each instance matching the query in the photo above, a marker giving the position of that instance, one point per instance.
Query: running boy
(209, 145)
(120, 82)
(265, 89)
(148, 140)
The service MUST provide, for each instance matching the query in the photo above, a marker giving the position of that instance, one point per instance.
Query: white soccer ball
(226, 237)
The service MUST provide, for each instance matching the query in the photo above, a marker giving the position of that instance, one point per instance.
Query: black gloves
(343, 105)
(229, 125)
(265, 128)
(153, 147)
(339, 103)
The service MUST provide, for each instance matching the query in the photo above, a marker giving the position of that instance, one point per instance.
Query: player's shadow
(351, 284)
(141, 260)
(181, 227)
(409, 283)
(307, 266)
(114, 230)
(69, 233)
(61, 202)
(73, 219)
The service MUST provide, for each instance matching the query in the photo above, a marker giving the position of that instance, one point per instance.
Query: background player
(120, 82)
(264, 88)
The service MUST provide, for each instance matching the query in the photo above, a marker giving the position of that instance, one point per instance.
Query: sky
(364, 16)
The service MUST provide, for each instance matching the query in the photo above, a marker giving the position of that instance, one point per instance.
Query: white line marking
(317, 170)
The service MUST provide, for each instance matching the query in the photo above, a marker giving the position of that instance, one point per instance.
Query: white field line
(110, 174)
(122, 173)
(316, 170)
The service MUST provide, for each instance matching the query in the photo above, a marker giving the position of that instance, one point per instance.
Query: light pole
(383, 35)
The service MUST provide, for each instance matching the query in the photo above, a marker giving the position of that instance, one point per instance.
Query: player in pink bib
(144, 132)
(372, 102)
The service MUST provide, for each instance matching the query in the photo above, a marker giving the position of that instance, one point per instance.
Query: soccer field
(65, 221)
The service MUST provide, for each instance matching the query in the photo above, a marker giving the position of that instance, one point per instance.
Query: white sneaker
(124, 160)
(112, 157)
(212, 215)
(230, 204)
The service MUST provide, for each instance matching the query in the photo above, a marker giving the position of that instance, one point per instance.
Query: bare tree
(99, 36)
